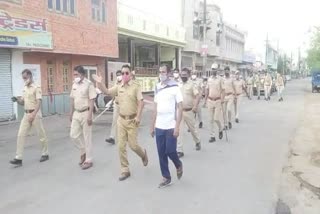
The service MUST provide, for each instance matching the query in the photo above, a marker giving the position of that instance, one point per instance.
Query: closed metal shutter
(6, 106)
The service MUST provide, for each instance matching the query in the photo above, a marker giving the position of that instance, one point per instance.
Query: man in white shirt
(166, 123)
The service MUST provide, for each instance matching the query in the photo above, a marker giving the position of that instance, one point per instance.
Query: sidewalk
(300, 185)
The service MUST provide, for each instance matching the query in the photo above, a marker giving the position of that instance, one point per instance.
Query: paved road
(238, 177)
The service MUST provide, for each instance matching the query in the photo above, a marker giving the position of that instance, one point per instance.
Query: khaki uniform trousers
(237, 102)
(228, 103)
(189, 119)
(215, 113)
(280, 90)
(81, 134)
(258, 90)
(25, 127)
(115, 116)
(250, 91)
(127, 133)
(267, 90)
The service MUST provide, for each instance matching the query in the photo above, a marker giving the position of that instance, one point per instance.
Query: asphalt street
(236, 177)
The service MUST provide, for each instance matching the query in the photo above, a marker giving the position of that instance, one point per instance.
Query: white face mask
(193, 77)
(77, 79)
(119, 78)
(175, 75)
(163, 77)
(27, 81)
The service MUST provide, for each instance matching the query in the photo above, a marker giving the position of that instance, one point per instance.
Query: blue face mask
(163, 77)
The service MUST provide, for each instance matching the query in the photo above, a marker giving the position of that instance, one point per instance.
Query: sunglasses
(125, 73)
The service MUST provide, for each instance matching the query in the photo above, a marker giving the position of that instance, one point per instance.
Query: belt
(117, 103)
(214, 99)
(29, 111)
(83, 110)
(187, 109)
(229, 94)
(128, 117)
(238, 94)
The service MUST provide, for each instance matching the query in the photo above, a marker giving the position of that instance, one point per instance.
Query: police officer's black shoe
(230, 125)
(237, 120)
(200, 125)
(16, 162)
(124, 176)
(180, 154)
(212, 140)
(198, 146)
(44, 158)
(110, 140)
(220, 135)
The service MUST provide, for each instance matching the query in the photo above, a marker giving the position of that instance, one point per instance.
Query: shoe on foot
(225, 128)
(212, 139)
(86, 165)
(230, 125)
(180, 154)
(16, 162)
(44, 158)
(145, 158)
(166, 182)
(124, 176)
(82, 159)
(220, 135)
(180, 171)
(237, 120)
(110, 140)
(198, 146)
(200, 125)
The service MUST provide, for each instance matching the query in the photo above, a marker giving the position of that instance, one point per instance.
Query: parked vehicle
(315, 81)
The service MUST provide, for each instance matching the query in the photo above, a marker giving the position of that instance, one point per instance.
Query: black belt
(187, 109)
(128, 117)
(214, 99)
(29, 111)
(83, 110)
(229, 94)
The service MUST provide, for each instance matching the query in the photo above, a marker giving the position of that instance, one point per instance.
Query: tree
(313, 59)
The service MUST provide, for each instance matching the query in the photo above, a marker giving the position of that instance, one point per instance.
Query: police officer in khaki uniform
(229, 98)
(32, 118)
(250, 85)
(240, 86)
(197, 84)
(267, 86)
(280, 86)
(257, 82)
(215, 98)
(113, 133)
(191, 98)
(82, 99)
(130, 109)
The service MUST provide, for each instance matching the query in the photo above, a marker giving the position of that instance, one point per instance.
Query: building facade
(51, 37)
(145, 42)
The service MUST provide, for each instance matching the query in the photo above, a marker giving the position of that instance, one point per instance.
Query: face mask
(27, 82)
(193, 77)
(126, 78)
(162, 77)
(214, 73)
(77, 79)
(175, 75)
(119, 78)
(184, 79)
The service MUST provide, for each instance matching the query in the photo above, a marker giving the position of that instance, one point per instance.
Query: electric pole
(266, 61)
(204, 45)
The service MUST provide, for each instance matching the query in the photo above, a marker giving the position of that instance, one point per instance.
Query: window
(98, 10)
(89, 71)
(62, 6)
(50, 78)
(65, 76)
(196, 31)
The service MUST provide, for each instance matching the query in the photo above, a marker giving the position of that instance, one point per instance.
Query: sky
(286, 21)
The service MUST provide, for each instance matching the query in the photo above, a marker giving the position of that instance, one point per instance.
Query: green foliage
(313, 59)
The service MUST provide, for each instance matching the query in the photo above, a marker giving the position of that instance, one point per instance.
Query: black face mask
(184, 79)
(214, 73)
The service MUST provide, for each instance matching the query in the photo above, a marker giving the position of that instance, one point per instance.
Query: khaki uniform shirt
(128, 97)
(239, 85)
(268, 80)
(31, 94)
(228, 86)
(257, 80)
(116, 97)
(215, 86)
(279, 81)
(189, 93)
(81, 93)
(250, 81)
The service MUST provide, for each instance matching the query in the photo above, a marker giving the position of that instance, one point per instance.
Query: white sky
(285, 20)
